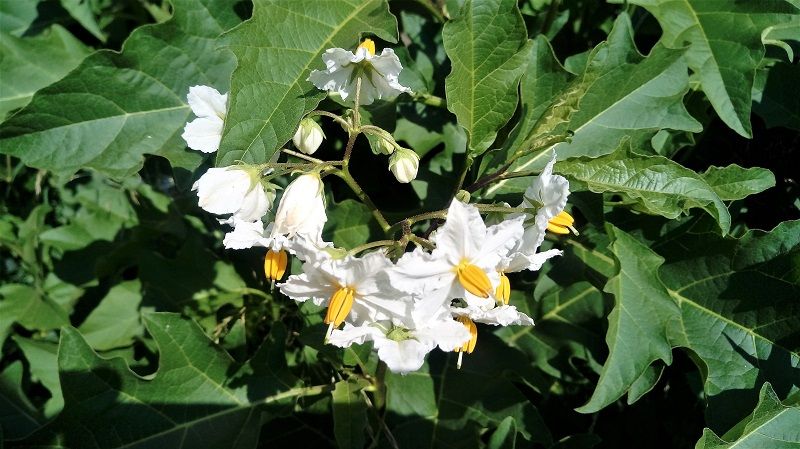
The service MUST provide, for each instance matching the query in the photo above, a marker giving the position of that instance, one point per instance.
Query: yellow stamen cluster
(473, 279)
(275, 264)
(468, 345)
(562, 224)
(369, 45)
(503, 292)
(339, 306)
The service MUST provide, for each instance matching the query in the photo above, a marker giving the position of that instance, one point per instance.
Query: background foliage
(672, 320)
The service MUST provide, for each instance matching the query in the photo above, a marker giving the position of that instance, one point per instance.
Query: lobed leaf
(724, 46)
(655, 184)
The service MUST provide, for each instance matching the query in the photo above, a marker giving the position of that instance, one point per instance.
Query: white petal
(203, 134)
(207, 102)
(418, 272)
(245, 235)
(255, 204)
(500, 238)
(302, 287)
(404, 356)
(461, 233)
(448, 334)
(222, 190)
(350, 335)
(502, 315)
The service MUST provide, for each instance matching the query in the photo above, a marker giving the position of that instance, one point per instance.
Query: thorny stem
(356, 113)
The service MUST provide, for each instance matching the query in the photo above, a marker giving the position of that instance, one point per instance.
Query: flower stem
(345, 124)
(311, 159)
(431, 100)
(344, 173)
(369, 245)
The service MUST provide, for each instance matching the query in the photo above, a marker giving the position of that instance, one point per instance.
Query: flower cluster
(405, 303)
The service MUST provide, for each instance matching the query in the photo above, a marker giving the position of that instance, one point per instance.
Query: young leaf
(115, 107)
(656, 184)
(772, 425)
(740, 314)
(276, 50)
(637, 326)
(488, 47)
(724, 46)
(197, 398)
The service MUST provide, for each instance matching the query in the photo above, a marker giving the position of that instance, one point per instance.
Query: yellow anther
(468, 345)
(562, 224)
(275, 264)
(339, 306)
(503, 292)
(368, 45)
(473, 279)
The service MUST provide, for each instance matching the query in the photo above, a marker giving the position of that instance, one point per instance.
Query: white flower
(233, 190)
(404, 164)
(302, 208)
(205, 132)
(378, 74)
(464, 262)
(404, 342)
(308, 136)
(354, 288)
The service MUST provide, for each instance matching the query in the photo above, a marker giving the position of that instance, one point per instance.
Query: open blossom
(235, 190)
(378, 74)
(353, 288)
(403, 342)
(464, 261)
(205, 132)
(302, 208)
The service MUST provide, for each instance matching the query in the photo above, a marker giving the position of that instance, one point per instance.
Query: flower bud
(308, 136)
(404, 164)
(233, 190)
(385, 147)
(302, 208)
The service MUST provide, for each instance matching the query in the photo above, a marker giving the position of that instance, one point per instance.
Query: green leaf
(30, 63)
(488, 48)
(440, 406)
(116, 107)
(776, 102)
(734, 182)
(25, 305)
(17, 415)
(505, 436)
(740, 314)
(197, 398)
(772, 425)
(349, 414)
(42, 359)
(114, 323)
(637, 326)
(620, 95)
(656, 185)
(543, 81)
(724, 46)
(276, 50)
(349, 224)
(81, 11)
